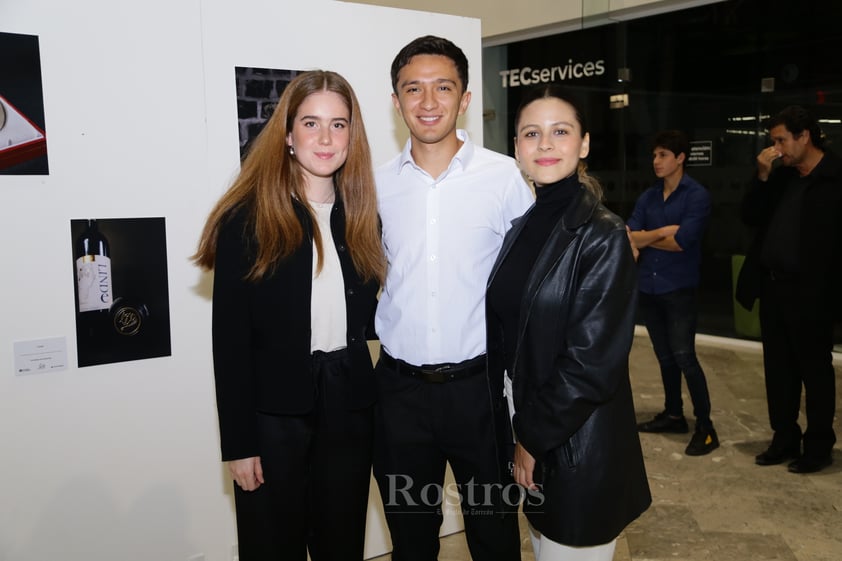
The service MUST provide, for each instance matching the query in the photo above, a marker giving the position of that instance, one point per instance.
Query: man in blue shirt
(667, 225)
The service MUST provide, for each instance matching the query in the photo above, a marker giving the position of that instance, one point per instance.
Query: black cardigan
(261, 333)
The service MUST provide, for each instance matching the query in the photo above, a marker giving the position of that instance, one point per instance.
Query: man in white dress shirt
(445, 205)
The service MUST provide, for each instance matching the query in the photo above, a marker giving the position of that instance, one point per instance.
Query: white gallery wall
(504, 21)
(120, 461)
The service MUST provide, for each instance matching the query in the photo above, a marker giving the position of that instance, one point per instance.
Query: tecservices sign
(528, 76)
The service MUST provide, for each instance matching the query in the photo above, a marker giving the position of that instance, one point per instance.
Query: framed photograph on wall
(258, 92)
(121, 289)
(23, 142)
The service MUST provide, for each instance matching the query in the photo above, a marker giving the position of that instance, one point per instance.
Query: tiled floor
(721, 507)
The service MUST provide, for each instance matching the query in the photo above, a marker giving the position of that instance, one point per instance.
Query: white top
(441, 237)
(327, 307)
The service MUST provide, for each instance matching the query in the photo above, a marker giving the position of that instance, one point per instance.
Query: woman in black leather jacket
(561, 302)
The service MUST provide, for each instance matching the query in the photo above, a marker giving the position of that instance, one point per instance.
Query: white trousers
(547, 550)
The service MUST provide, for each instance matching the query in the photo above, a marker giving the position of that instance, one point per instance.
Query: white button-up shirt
(441, 236)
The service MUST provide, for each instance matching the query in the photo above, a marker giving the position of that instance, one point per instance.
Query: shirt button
(433, 220)
(432, 258)
(350, 291)
(340, 247)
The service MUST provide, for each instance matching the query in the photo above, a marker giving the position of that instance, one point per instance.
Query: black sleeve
(232, 345)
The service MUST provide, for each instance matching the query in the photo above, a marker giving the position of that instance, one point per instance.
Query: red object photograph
(23, 137)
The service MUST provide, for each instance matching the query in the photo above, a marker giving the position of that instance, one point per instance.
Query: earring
(291, 150)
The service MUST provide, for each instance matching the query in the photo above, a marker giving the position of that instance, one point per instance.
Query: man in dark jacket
(794, 267)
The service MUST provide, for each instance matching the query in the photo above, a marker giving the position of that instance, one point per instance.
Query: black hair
(673, 140)
(796, 119)
(431, 45)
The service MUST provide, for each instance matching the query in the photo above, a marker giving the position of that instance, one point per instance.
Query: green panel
(747, 323)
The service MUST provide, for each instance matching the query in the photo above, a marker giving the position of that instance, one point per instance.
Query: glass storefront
(716, 72)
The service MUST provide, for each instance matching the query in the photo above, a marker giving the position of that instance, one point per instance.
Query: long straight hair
(271, 180)
(558, 92)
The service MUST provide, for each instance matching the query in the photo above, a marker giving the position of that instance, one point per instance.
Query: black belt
(436, 373)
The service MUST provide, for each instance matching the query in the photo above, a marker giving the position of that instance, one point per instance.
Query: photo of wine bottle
(122, 297)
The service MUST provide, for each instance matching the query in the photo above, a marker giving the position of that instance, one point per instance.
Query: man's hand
(764, 162)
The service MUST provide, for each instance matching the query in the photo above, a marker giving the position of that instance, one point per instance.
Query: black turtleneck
(505, 293)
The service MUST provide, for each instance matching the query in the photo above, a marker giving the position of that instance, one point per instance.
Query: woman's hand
(247, 473)
(524, 466)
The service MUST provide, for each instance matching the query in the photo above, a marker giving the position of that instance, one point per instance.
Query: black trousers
(797, 351)
(317, 469)
(419, 428)
(671, 322)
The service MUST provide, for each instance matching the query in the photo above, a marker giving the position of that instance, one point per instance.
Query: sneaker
(703, 442)
(664, 423)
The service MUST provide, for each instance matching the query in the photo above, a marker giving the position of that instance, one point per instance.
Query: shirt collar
(682, 183)
(462, 157)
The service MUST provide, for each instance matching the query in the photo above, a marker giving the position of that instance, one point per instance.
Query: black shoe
(809, 464)
(776, 454)
(664, 423)
(703, 442)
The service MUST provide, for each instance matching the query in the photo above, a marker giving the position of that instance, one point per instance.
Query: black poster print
(121, 289)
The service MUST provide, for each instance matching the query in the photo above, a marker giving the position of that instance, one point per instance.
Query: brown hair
(270, 178)
(558, 92)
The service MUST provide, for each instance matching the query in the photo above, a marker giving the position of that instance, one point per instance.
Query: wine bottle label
(93, 275)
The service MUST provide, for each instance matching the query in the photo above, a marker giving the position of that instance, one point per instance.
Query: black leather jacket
(572, 394)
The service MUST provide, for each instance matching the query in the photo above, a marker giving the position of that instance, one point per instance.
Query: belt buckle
(436, 375)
